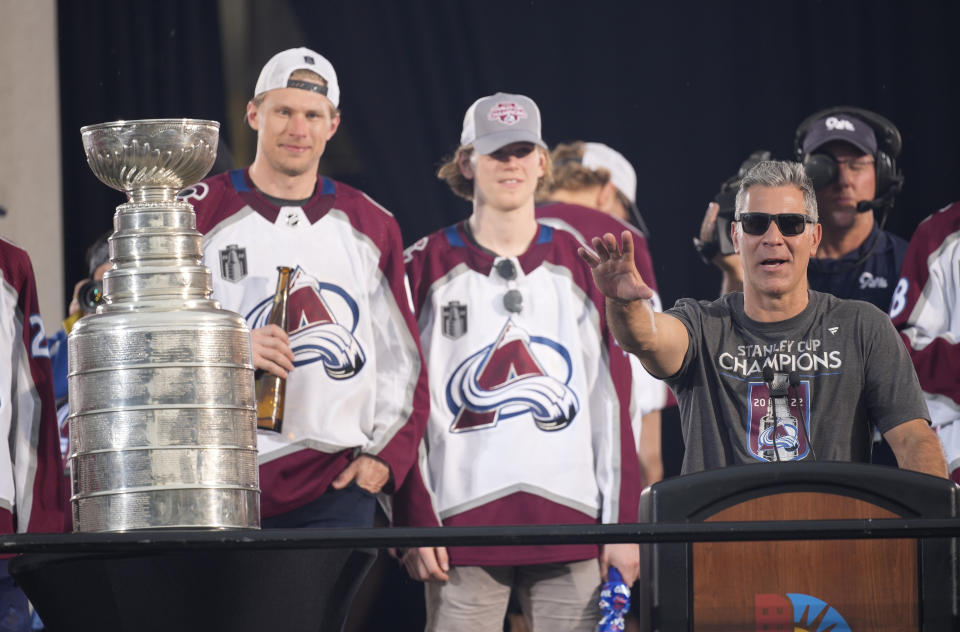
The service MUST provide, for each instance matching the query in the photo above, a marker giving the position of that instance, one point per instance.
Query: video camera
(727, 198)
(90, 295)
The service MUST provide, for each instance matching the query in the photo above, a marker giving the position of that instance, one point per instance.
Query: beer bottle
(271, 388)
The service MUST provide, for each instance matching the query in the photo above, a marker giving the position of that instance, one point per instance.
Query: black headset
(889, 143)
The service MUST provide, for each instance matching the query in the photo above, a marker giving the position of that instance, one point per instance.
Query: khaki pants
(554, 597)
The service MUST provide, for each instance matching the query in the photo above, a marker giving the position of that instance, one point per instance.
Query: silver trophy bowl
(151, 155)
(162, 406)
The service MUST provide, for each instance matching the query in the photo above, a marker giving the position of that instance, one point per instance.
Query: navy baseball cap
(843, 127)
(500, 119)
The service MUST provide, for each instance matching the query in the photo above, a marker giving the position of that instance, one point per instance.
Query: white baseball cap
(500, 119)
(622, 175)
(276, 73)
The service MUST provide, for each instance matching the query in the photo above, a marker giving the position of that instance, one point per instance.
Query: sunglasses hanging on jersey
(790, 224)
(513, 299)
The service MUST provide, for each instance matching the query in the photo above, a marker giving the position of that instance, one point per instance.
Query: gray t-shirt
(849, 371)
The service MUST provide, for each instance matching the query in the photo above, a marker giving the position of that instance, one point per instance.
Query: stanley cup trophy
(162, 405)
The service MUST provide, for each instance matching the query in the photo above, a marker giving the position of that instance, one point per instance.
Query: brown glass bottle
(271, 389)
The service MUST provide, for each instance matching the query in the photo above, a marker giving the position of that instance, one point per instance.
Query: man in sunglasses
(836, 368)
(530, 419)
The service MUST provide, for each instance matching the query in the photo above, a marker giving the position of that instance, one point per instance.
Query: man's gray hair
(778, 173)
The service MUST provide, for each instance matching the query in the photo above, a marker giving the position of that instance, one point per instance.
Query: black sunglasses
(513, 299)
(790, 224)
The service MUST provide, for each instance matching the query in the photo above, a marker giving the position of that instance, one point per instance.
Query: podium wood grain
(871, 583)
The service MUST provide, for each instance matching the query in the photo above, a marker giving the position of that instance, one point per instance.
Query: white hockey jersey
(530, 396)
(359, 384)
(926, 309)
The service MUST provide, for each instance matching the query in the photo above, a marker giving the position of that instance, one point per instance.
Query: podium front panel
(883, 584)
(869, 584)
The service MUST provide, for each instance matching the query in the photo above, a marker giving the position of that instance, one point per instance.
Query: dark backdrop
(684, 89)
(127, 60)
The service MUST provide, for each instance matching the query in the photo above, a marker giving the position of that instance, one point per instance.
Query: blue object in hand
(614, 602)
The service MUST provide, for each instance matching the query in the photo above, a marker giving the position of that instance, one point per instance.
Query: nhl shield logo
(233, 263)
(454, 319)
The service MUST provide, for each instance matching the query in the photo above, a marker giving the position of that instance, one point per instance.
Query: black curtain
(686, 90)
(127, 60)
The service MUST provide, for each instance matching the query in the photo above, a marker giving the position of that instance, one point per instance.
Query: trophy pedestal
(295, 590)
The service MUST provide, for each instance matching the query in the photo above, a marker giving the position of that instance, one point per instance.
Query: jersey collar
(323, 199)
(481, 259)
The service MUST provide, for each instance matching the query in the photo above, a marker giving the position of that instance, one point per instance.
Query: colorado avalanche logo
(507, 113)
(196, 192)
(317, 314)
(508, 380)
(790, 442)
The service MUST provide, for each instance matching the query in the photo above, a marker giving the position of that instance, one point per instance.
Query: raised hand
(614, 269)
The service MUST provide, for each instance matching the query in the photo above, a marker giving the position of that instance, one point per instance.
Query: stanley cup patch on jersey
(518, 376)
(773, 423)
(233, 263)
(323, 320)
(454, 320)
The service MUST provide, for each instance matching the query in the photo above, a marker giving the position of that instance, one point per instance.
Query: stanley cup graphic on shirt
(775, 412)
(780, 435)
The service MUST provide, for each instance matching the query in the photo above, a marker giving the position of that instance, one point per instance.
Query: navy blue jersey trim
(238, 181)
(453, 237)
(546, 234)
(327, 187)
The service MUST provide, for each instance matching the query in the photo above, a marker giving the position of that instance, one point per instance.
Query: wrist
(624, 302)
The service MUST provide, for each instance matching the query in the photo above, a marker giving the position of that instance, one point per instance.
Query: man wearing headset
(849, 155)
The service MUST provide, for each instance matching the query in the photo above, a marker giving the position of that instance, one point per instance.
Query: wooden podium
(869, 584)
